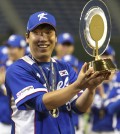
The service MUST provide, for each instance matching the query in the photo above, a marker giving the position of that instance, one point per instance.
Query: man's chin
(13, 59)
(44, 57)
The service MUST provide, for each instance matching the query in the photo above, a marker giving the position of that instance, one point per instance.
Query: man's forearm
(59, 97)
(85, 100)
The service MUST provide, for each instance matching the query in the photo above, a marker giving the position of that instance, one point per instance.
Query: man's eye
(47, 32)
(35, 32)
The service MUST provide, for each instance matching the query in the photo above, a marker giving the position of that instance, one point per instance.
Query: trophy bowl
(95, 33)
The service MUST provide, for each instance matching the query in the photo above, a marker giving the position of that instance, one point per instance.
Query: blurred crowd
(104, 115)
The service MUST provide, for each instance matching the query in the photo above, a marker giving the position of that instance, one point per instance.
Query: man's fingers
(97, 81)
(89, 72)
(84, 68)
(93, 76)
(99, 77)
(107, 75)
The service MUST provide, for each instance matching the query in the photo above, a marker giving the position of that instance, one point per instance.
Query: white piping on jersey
(31, 61)
(28, 60)
(76, 96)
(28, 91)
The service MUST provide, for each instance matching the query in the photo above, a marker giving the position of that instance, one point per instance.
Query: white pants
(102, 132)
(5, 129)
(117, 132)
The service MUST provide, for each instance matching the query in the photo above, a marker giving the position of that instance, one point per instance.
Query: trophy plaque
(95, 33)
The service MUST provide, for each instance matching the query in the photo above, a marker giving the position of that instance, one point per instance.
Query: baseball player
(15, 49)
(102, 120)
(3, 54)
(65, 46)
(42, 87)
(113, 103)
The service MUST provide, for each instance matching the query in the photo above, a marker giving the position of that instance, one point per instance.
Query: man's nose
(43, 37)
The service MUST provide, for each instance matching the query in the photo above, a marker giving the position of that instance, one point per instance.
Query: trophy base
(102, 65)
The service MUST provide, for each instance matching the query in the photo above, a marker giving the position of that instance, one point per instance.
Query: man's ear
(27, 37)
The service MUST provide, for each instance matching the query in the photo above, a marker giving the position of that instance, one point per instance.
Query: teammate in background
(3, 59)
(72, 60)
(102, 120)
(112, 103)
(65, 46)
(27, 50)
(15, 50)
(42, 87)
(3, 54)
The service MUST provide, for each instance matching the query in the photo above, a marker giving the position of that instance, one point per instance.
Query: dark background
(15, 13)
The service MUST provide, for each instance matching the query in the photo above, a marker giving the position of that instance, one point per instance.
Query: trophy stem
(97, 56)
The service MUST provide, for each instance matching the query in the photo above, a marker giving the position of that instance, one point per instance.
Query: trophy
(95, 33)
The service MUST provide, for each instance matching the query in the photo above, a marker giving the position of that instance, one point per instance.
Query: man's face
(15, 53)
(59, 51)
(42, 41)
(68, 48)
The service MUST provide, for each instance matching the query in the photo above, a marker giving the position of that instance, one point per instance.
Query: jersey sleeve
(73, 103)
(113, 101)
(23, 85)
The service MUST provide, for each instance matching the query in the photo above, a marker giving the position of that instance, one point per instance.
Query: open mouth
(43, 45)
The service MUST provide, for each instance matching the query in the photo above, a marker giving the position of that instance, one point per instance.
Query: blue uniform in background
(25, 83)
(113, 102)
(14, 41)
(101, 118)
(3, 55)
(4, 107)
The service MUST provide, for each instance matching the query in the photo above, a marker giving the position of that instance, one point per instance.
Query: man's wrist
(91, 91)
(77, 86)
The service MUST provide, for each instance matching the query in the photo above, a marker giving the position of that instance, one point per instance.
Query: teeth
(43, 46)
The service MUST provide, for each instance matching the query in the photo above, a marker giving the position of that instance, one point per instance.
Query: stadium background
(15, 13)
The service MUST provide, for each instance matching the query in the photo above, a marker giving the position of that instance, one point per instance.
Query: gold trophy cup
(95, 33)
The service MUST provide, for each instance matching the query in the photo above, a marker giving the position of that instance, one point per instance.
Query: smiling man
(45, 90)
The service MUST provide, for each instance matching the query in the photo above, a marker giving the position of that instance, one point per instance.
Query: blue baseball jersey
(24, 82)
(3, 55)
(4, 101)
(102, 119)
(4, 109)
(113, 101)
